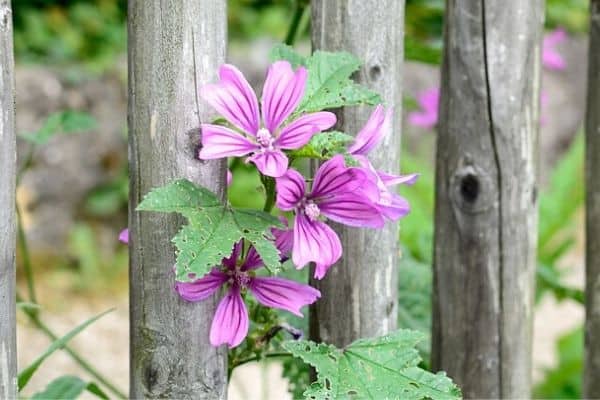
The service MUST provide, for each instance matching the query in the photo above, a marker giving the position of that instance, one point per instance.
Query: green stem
(257, 358)
(84, 364)
(269, 184)
(24, 247)
(292, 33)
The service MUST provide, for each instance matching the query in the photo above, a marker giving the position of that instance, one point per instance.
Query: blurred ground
(53, 196)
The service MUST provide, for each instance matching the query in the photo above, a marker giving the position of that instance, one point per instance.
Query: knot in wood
(471, 189)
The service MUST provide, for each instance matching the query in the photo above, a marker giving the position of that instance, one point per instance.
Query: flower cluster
(346, 189)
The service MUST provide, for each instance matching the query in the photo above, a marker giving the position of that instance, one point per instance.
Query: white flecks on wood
(486, 196)
(174, 45)
(360, 291)
(8, 172)
(591, 381)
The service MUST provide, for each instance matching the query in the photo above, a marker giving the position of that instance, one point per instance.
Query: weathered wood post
(8, 173)
(360, 291)
(592, 128)
(486, 196)
(174, 47)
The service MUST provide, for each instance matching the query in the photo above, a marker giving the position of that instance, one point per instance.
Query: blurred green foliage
(564, 381)
(94, 32)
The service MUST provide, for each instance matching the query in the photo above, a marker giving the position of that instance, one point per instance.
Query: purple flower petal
(551, 58)
(229, 178)
(124, 236)
(334, 177)
(428, 100)
(252, 261)
(290, 189)
(300, 131)
(378, 125)
(234, 99)
(315, 241)
(230, 323)
(284, 239)
(282, 92)
(202, 288)
(220, 142)
(283, 294)
(352, 209)
(231, 261)
(270, 162)
(391, 180)
(394, 206)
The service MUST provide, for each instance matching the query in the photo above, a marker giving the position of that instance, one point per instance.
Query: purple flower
(230, 323)
(124, 236)
(429, 101)
(551, 58)
(390, 204)
(335, 194)
(233, 98)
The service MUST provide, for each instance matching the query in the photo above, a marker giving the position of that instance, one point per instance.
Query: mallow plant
(238, 253)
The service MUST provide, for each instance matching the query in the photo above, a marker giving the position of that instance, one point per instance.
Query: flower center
(312, 211)
(264, 138)
(239, 278)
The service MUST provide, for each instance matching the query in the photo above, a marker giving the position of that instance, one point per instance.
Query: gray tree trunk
(8, 173)
(592, 128)
(486, 196)
(174, 47)
(360, 291)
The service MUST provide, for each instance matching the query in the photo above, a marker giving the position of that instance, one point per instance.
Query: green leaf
(68, 387)
(27, 306)
(25, 375)
(65, 122)
(287, 53)
(324, 145)
(212, 229)
(379, 368)
(329, 84)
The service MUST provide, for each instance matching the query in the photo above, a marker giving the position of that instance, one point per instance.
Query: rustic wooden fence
(8, 176)
(486, 194)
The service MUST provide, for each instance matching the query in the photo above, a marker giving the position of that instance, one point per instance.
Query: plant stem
(269, 184)
(292, 33)
(24, 247)
(258, 358)
(40, 325)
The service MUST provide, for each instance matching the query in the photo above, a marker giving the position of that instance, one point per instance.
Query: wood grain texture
(8, 172)
(360, 291)
(175, 46)
(486, 196)
(592, 128)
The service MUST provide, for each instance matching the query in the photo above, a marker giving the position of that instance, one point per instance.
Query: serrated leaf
(212, 229)
(25, 374)
(287, 53)
(329, 84)
(379, 368)
(65, 122)
(180, 196)
(68, 387)
(324, 145)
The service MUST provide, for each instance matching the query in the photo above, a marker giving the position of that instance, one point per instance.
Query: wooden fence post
(175, 46)
(8, 173)
(592, 128)
(486, 196)
(360, 291)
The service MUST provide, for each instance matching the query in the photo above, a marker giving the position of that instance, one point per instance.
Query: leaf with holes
(212, 229)
(324, 145)
(287, 53)
(329, 84)
(381, 368)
